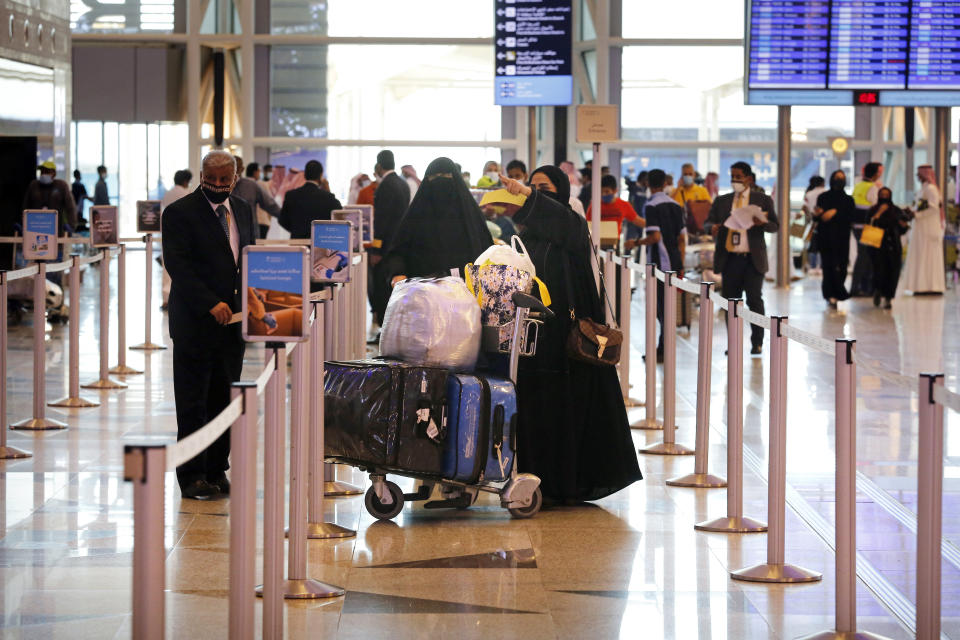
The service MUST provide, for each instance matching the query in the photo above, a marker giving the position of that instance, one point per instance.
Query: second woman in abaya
(573, 430)
(442, 229)
(834, 215)
(887, 258)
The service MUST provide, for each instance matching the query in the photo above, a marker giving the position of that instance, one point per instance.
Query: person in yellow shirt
(687, 190)
(864, 197)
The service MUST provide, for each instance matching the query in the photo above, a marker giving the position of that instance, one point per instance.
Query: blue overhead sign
(534, 53)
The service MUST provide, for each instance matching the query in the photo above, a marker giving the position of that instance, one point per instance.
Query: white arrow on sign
(501, 56)
(500, 42)
(499, 12)
(500, 69)
(500, 27)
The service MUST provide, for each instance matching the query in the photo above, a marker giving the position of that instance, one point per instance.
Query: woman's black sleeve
(552, 221)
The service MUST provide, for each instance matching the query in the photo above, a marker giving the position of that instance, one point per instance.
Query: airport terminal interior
(779, 207)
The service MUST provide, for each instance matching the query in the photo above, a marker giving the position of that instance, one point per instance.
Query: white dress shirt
(234, 232)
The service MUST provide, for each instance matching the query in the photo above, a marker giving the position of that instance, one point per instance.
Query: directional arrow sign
(500, 42)
(533, 52)
(500, 12)
(501, 56)
(500, 70)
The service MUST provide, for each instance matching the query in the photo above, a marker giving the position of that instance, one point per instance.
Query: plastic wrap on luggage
(432, 322)
(361, 411)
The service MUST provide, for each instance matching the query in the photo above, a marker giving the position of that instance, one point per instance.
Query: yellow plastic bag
(872, 236)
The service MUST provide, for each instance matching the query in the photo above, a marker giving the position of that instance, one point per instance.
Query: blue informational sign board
(534, 53)
(859, 52)
(40, 234)
(275, 293)
(331, 251)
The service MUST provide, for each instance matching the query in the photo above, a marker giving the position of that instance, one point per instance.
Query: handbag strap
(603, 286)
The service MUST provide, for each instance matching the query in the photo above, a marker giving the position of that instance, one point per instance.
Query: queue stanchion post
(845, 504)
(929, 508)
(317, 526)
(669, 446)
(734, 521)
(147, 344)
(6, 452)
(39, 421)
(74, 400)
(243, 513)
(650, 422)
(362, 305)
(298, 585)
(701, 478)
(122, 369)
(775, 569)
(626, 298)
(145, 467)
(104, 381)
(334, 487)
(273, 492)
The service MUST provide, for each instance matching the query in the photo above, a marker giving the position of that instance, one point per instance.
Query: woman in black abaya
(834, 215)
(573, 429)
(442, 229)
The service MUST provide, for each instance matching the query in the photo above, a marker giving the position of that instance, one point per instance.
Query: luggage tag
(423, 416)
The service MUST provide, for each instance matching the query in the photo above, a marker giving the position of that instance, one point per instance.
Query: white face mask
(364, 184)
(45, 178)
(687, 181)
(738, 187)
(493, 175)
(266, 176)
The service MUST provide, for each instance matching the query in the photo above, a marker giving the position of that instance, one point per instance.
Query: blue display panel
(868, 44)
(935, 44)
(789, 44)
(534, 52)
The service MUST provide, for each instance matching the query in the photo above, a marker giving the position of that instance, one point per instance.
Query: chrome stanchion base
(324, 530)
(698, 481)
(38, 424)
(630, 403)
(844, 635)
(148, 346)
(124, 370)
(337, 489)
(306, 589)
(776, 573)
(73, 402)
(9, 453)
(732, 525)
(649, 425)
(667, 449)
(104, 383)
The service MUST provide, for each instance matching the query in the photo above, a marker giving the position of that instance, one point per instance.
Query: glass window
(688, 19)
(31, 112)
(342, 163)
(131, 16)
(384, 18)
(435, 92)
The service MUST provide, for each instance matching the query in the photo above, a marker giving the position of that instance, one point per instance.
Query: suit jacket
(720, 211)
(198, 258)
(390, 202)
(303, 205)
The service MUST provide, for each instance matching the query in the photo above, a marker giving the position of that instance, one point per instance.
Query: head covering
(711, 184)
(929, 176)
(408, 171)
(571, 172)
(443, 215)
(834, 175)
(559, 180)
(48, 165)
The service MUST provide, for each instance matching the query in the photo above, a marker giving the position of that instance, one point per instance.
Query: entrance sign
(534, 53)
(148, 216)
(331, 251)
(40, 234)
(103, 226)
(597, 123)
(276, 291)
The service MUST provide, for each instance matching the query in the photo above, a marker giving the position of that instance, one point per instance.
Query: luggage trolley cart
(519, 492)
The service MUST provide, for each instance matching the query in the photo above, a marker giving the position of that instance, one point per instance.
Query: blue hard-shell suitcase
(481, 428)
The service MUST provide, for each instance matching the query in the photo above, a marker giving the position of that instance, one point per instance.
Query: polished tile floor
(629, 566)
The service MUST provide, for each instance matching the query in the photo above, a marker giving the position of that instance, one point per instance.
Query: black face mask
(216, 194)
(551, 194)
(838, 184)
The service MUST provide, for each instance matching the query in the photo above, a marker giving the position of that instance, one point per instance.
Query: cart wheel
(384, 511)
(531, 509)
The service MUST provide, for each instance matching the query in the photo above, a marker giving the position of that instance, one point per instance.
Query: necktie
(222, 215)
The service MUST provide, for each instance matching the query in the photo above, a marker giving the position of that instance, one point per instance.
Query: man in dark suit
(203, 235)
(390, 202)
(305, 204)
(740, 256)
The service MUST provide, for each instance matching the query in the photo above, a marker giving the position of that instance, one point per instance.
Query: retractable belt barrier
(933, 396)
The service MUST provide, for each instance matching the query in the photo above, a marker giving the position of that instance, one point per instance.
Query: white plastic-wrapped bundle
(432, 322)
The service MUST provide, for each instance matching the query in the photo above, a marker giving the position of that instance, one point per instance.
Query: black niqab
(560, 181)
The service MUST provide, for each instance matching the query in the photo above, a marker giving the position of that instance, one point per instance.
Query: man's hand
(757, 222)
(397, 280)
(714, 230)
(515, 186)
(221, 313)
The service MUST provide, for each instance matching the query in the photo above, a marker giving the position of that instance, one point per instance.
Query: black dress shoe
(199, 489)
(756, 351)
(220, 483)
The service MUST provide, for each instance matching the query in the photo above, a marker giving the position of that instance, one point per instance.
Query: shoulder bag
(591, 341)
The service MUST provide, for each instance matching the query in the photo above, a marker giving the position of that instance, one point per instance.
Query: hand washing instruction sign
(276, 291)
(534, 52)
(331, 250)
(40, 234)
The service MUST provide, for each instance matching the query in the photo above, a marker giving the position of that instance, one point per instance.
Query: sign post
(597, 123)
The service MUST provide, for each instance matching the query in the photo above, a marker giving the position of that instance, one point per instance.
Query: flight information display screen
(826, 51)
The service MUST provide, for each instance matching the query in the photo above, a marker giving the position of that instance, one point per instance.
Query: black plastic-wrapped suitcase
(385, 414)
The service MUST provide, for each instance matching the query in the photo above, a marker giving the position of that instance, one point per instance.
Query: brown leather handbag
(591, 341)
